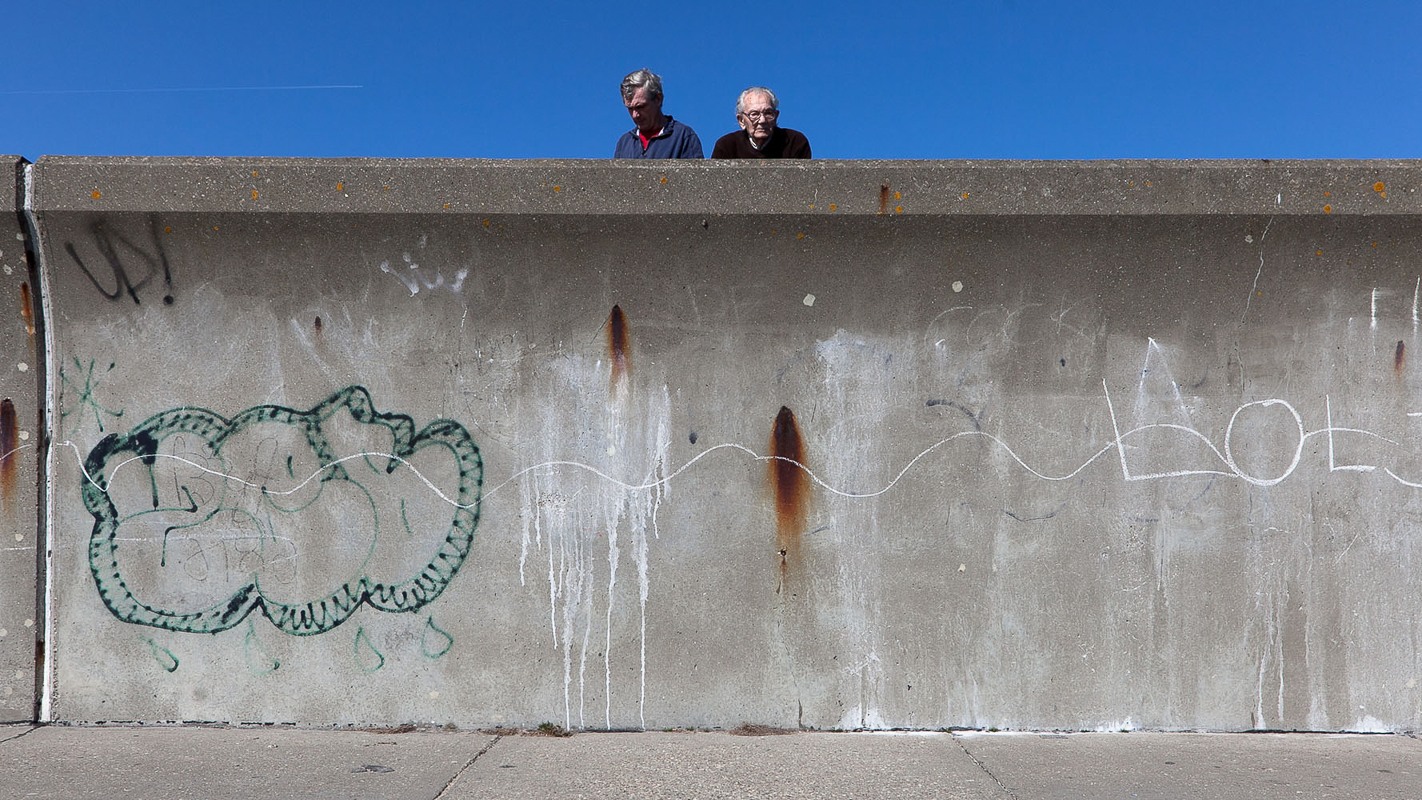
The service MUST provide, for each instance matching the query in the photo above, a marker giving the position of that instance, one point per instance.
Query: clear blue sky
(982, 79)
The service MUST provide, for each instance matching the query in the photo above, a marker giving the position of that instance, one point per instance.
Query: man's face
(646, 111)
(758, 118)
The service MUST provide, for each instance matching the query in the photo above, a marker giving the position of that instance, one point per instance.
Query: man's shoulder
(674, 128)
(792, 135)
(731, 139)
(794, 144)
(734, 145)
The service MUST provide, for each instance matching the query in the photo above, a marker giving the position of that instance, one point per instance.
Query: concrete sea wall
(612, 445)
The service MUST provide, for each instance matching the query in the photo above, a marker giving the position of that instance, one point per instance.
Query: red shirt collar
(646, 140)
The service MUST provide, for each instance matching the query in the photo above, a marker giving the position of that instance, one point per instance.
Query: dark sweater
(784, 143)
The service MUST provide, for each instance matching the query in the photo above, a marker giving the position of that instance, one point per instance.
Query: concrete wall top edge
(9, 201)
(821, 187)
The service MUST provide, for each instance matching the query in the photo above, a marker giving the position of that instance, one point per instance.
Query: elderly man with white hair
(757, 110)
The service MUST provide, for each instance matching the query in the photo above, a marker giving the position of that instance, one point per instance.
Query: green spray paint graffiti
(200, 520)
(85, 402)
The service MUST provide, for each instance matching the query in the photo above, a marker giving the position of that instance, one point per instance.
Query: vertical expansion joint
(34, 250)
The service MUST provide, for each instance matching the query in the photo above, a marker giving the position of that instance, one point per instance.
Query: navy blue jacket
(676, 141)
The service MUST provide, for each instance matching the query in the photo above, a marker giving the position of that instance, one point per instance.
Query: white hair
(741, 101)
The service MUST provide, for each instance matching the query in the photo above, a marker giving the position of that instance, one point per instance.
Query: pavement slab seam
(467, 765)
(984, 768)
(25, 732)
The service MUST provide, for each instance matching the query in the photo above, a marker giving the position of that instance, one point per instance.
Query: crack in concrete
(467, 765)
(984, 768)
(1255, 288)
(31, 729)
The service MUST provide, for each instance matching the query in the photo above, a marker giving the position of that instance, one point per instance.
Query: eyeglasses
(769, 113)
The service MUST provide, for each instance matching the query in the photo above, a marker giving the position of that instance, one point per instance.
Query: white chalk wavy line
(1230, 471)
(582, 466)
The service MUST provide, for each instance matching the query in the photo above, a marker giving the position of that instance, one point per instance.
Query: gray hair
(741, 101)
(642, 79)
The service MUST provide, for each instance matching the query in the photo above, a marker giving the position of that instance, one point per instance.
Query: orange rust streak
(790, 484)
(619, 347)
(9, 440)
(27, 311)
(883, 198)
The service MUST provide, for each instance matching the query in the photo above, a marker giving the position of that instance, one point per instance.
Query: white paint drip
(629, 432)
(857, 390)
(1416, 290)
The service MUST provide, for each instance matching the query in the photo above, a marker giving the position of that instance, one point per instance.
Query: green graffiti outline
(252, 647)
(300, 619)
(86, 394)
(154, 650)
(424, 640)
(362, 636)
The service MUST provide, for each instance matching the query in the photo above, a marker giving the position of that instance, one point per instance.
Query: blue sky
(985, 79)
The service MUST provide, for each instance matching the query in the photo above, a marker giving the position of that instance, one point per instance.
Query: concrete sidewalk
(218, 763)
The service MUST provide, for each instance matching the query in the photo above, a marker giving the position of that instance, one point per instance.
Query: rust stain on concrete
(9, 440)
(790, 485)
(619, 346)
(27, 309)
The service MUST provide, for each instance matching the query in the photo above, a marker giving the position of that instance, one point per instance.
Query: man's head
(642, 94)
(756, 110)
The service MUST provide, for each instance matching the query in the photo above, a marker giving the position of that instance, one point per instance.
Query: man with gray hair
(656, 135)
(757, 110)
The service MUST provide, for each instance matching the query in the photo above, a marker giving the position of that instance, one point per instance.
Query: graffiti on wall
(131, 266)
(199, 520)
(82, 380)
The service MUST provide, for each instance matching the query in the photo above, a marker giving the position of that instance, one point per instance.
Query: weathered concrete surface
(20, 432)
(1172, 765)
(722, 765)
(233, 764)
(212, 763)
(1089, 445)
